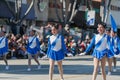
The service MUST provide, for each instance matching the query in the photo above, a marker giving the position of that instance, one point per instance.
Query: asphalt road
(75, 68)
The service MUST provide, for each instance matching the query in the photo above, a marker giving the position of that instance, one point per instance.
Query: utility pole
(107, 11)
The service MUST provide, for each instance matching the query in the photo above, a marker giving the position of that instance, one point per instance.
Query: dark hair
(32, 30)
(103, 24)
(56, 26)
(108, 29)
(3, 31)
(114, 31)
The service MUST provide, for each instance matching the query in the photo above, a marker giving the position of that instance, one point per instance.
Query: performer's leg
(109, 65)
(36, 59)
(103, 63)
(60, 67)
(29, 62)
(96, 65)
(5, 59)
(51, 68)
(114, 63)
(6, 62)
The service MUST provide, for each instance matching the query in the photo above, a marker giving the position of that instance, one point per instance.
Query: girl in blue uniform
(4, 48)
(115, 47)
(33, 47)
(56, 51)
(101, 44)
(109, 57)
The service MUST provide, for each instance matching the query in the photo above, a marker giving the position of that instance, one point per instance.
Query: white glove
(81, 54)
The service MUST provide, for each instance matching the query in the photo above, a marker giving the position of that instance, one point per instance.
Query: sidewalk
(75, 68)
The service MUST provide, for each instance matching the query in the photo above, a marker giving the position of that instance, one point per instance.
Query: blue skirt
(99, 54)
(109, 54)
(32, 50)
(3, 51)
(56, 55)
(117, 52)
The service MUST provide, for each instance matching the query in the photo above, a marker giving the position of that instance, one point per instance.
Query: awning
(31, 14)
(5, 12)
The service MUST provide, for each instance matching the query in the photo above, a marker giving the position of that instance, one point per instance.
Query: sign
(90, 18)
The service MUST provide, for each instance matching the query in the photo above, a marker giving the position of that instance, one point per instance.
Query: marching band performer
(115, 47)
(4, 48)
(115, 41)
(100, 42)
(56, 51)
(109, 58)
(33, 47)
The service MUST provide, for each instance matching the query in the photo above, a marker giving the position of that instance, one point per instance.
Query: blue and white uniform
(33, 45)
(115, 45)
(3, 46)
(56, 47)
(110, 53)
(101, 46)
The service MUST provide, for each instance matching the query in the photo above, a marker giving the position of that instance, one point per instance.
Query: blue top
(101, 45)
(33, 45)
(3, 45)
(115, 45)
(56, 47)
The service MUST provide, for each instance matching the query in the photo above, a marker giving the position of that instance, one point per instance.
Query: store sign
(90, 18)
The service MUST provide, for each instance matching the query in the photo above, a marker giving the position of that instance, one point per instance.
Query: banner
(90, 18)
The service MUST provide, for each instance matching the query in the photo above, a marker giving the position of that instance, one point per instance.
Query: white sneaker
(29, 69)
(109, 73)
(114, 70)
(7, 68)
(69, 55)
(39, 67)
(82, 54)
(44, 57)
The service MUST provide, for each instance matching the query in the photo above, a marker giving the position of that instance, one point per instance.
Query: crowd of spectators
(75, 43)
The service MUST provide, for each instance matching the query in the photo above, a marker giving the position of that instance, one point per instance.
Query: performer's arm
(6, 40)
(63, 45)
(90, 45)
(38, 44)
(49, 46)
(118, 44)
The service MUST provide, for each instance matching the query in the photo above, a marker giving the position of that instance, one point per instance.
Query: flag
(113, 23)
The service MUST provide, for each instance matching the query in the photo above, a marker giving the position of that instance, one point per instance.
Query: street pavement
(75, 68)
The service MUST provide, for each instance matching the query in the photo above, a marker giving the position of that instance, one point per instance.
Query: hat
(113, 24)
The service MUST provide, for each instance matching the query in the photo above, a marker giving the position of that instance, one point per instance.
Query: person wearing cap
(33, 47)
(115, 47)
(100, 43)
(4, 48)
